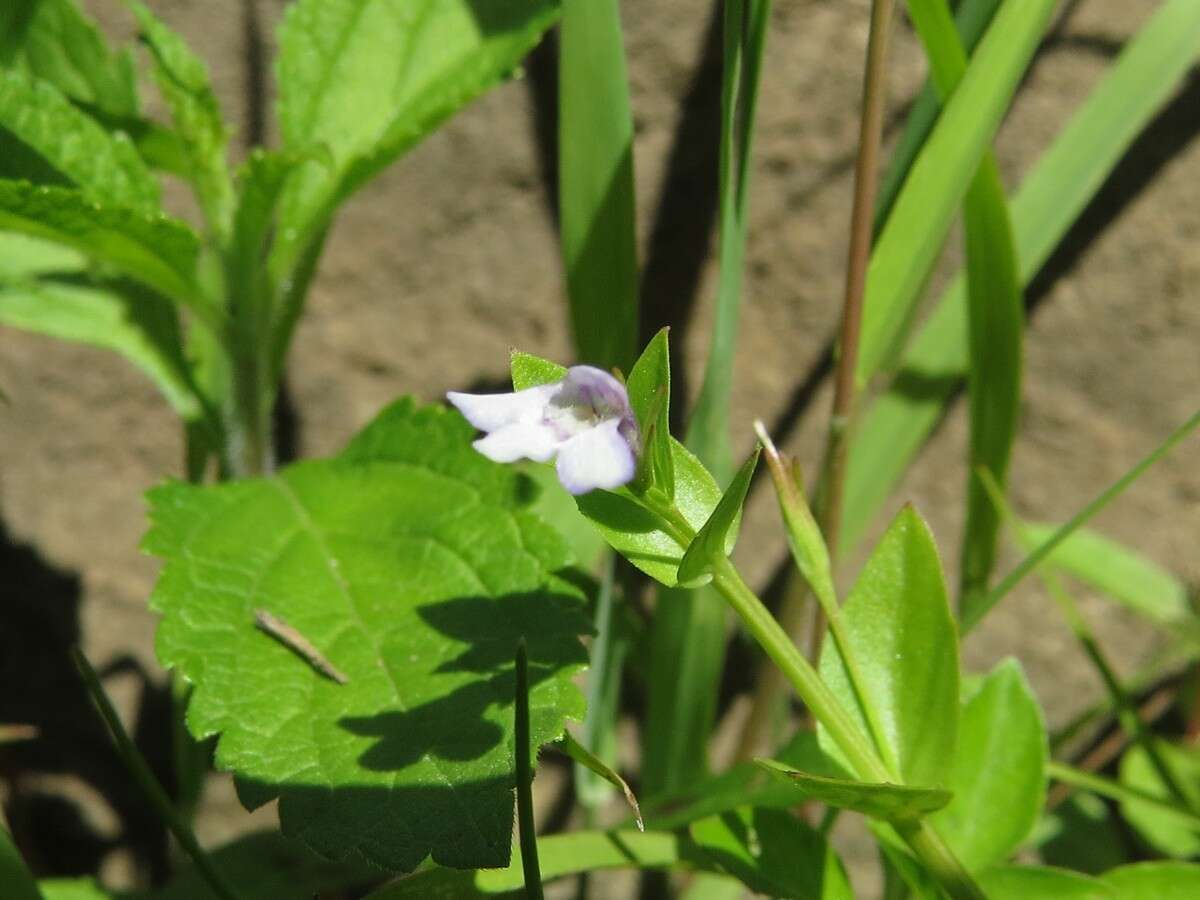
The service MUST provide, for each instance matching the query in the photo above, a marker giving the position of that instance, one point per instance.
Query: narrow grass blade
(688, 635)
(889, 802)
(596, 192)
(1125, 575)
(608, 651)
(971, 20)
(523, 752)
(1106, 787)
(1035, 558)
(995, 316)
(140, 770)
(913, 236)
(1053, 194)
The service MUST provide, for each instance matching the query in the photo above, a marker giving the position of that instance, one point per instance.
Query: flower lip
(584, 420)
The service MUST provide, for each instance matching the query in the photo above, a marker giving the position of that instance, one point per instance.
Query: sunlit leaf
(410, 564)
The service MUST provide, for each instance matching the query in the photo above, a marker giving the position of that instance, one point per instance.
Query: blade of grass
(688, 634)
(1106, 787)
(140, 770)
(522, 751)
(1054, 193)
(924, 211)
(971, 20)
(995, 316)
(1122, 703)
(1105, 497)
(596, 193)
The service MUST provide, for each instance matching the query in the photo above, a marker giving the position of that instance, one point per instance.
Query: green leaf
(105, 167)
(155, 250)
(999, 778)
(79, 889)
(23, 257)
(898, 625)
(1082, 834)
(1054, 193)
(716, 539)
(64, 47)
(743, 784)
(773, 853)
(588, 851)
(14, 874)
(183, 81)
(938, 180)
(135, 323)
(1155, 881)
(368, 79)
(1042, 883)
(1036, 557)
(649, 388)
(889, 802)
(409, 564)
(971, 19)
(593, 763)
(1118, 571)
(1173, 835)
(995, 315)
(627, 526)
(596, 190)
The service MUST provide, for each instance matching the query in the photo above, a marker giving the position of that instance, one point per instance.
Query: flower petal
(598, 458)
(513, 442)
(489, 412)
(596, 388)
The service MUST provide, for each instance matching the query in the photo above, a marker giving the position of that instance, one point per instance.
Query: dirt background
(448, 259)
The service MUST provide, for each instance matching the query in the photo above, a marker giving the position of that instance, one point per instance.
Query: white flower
(585, 420)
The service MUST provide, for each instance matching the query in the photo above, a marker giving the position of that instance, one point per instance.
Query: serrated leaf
(153, 249)
(999, 777)
(888, 802)
(1167, 880)
(368, 79)
(898, 625)
(105, 167)
(411, 565)
(135, 323)
(715, 540)
(625, 524)
(183, 80)
(773, 853)
(63, 46)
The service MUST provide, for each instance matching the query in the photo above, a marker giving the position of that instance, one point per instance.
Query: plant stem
(833, 478)
(825, 707)
(140, 770)
(525, 827)
(845, 386)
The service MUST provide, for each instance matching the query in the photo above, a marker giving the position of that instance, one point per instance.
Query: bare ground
(449, 259)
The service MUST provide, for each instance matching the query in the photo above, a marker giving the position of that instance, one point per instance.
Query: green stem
(924, 840)
(1107, 788)
(525, 827)
(145, 779)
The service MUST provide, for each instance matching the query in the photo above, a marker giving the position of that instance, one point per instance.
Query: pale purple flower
(585, 420)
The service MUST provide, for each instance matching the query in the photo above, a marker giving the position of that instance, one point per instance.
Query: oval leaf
(408, 565)
(899, 628)
(999, 778)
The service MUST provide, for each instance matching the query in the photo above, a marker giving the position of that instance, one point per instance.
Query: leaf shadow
(455, 726)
